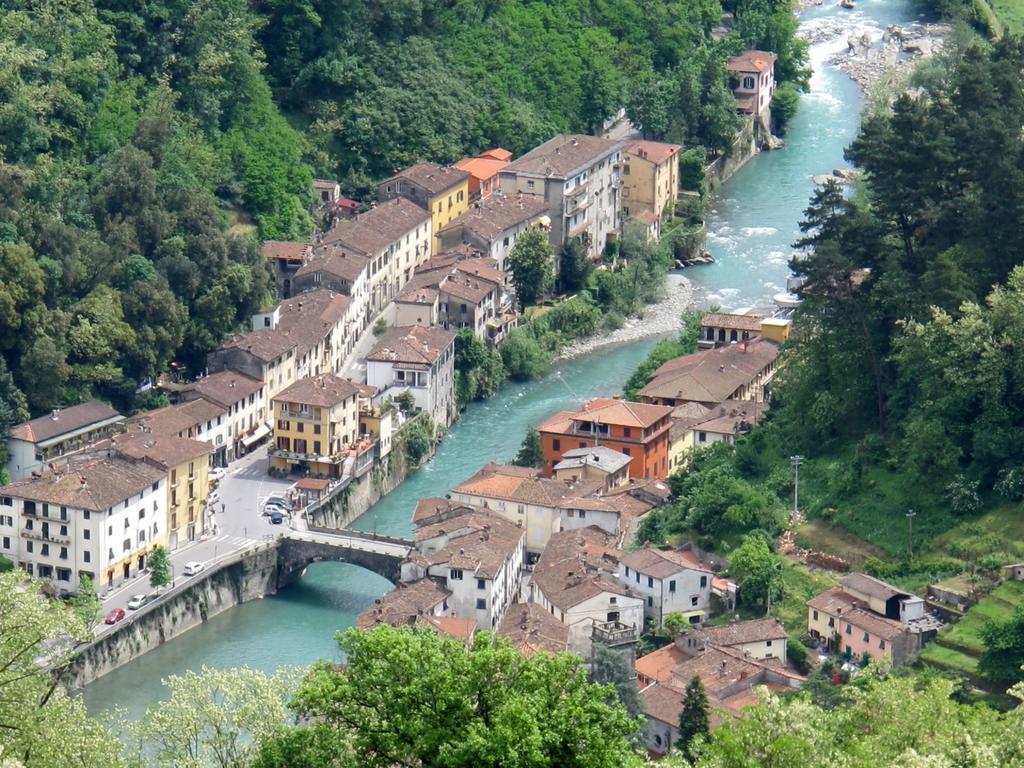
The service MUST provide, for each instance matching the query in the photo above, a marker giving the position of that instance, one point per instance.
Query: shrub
(613, 321)
(380, 327)
(784, 105)
(962, 495)
(797, 654)
(691, 169)
(1010, 484)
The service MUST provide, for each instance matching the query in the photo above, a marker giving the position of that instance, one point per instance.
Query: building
(301, 337)
(286, 258)
(597, 462)
(394, 237)
(866, 618)
(648, 222)
(407, 604)
(197, 419)
(327, 191)
(479, 558)
(638, 430)
(316, 421)
(742, 371)
(756, 639)
(243, 401)
(34, 444)
(532, 630)
(88, 516)
(575, 582)
(720, 328)
(483, 171)
(337, 268)
(650, 178)
(420, 361)
(578, 177)
(418, 306)
(492, 225)
(669, 582)
(695, 425)
(442, 190)
(186, 466)
(754, 81)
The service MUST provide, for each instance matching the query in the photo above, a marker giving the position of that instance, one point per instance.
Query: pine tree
(694, 720)
(531, 454)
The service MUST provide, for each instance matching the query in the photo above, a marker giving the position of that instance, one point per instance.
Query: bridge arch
(381, 554)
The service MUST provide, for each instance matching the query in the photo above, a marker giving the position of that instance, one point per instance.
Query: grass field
(799, 584)
(1011, 14)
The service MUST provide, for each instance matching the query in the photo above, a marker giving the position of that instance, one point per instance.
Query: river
(751, 225)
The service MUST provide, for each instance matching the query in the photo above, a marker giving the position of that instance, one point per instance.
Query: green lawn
(1011, 14)
(799, 584)
(947, 658)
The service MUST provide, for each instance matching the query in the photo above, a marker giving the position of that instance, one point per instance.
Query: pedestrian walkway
(352, 369)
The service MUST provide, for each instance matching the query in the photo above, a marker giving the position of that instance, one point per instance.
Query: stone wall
(184, 607)
(744, 148)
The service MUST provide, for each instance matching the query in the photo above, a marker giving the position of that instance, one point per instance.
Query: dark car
(276, 518)
(115, 616)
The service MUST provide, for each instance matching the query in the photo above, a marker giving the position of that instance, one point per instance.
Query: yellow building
(316, 421)
(650, 177)
(187, 464)
(441, 189)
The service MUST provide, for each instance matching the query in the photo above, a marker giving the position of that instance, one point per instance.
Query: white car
(214, 498)
(136, 602)
(218, 473)
(193, 567)
(271, 507)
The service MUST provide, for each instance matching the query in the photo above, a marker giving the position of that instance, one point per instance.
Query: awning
(692, 614)
(261, 431)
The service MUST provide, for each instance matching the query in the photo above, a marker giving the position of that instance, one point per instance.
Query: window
(694, 600)
(626, 451)
(613, 600)
(556, 445)
(849, 629)
(703, 582)
(867, 638)
(481, 603)
(7, 542)
(768, 643)
(455, 574)
(63, 553)
(815, 615)
(316, 429)
(702, 437)
(7, 501)
(87, 556)
(85, 515)
(650, 602)
(28, 546)
(627, 571)
(45, 550)
(529, 183)
(481, 584)
(672, 586)
(650, 581)
(627, 432)
(583, 513)
(881, 644)
(748, 83)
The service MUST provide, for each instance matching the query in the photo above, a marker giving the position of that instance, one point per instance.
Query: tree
(414, 697)
(694, 719)
(1004, 648)
(531, 267)
(524, 358)
(86, 603)
(610, 667)
(40, 725)
(757, 571)
(214, 717)
(575, 266)
(159, 567)
(784, 105)
(531, 453)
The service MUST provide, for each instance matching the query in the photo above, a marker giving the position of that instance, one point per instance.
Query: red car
(115, 616)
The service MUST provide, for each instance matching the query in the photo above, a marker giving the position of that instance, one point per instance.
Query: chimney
(55, 414)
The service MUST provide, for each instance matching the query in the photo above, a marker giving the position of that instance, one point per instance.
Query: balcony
(575, 203)
(613, 633)
(295, 456)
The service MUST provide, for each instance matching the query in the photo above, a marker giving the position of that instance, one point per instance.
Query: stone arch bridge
(300, 549)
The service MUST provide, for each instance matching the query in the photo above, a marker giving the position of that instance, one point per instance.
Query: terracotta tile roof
(374, 231)
(450, 626)
(869, 585)
(403, 605)
(463, 286)
(176, 419)
(431, 507)
(226, 387)
(282, 249)
(465, 520)
(663, 702)
(563, 155)
(303, 322)
(655, 151)
(742, 632)
(481, 168)
(833, 601)
(731, 321)
(336, 260)
(532, 630)
(610, 411)
(512, 483)
(165, 450)
(866, 620)
(412, 344)
(421, 295)
(92, 483)
(323, 390)
(484, 552)
(751, 61)
(711, 375)
(64, 421)
(312, 484)
(493, 216)
(324, 183)
(432, 177)
(497, 153)
(577, 565)
(660, 665)
(652, 562)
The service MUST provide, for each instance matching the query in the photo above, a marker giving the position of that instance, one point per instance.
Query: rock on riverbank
(661, 318)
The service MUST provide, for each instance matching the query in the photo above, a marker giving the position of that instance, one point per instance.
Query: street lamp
(910, 534)
(796, 461)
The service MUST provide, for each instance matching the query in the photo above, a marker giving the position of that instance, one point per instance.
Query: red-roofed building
(639, 430)
(754, 80)
(483, 171)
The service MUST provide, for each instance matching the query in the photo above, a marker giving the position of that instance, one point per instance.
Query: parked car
(115, 616)
(272, 507)
(193, 567)
(218, 473)
(280, 501)
(137, 602)
(276, 517)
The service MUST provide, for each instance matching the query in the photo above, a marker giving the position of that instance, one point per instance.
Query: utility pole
(796, 461)
(910, 534)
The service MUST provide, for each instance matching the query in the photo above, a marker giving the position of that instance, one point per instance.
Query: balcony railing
(616, 633)
(302, 456)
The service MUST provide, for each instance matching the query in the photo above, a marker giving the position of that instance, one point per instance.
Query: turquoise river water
(751, 224)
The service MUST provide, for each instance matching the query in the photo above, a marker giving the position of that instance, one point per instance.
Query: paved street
(354, 368)
(242, 493)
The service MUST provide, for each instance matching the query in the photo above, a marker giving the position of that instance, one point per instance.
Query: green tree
(694, 718)
(524, 358)
(413, 697)
(757, 570)
(1003, 657)
(531, 265)
(575, 266)
(86, 603)
(610, 667)
(785, 103)
(531, 452)
(159, 567)
(40, 725)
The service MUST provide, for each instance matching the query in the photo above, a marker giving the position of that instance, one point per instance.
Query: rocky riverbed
(658, 319)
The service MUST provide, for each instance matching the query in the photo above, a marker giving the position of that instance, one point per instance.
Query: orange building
(639, 430)
(483, 171)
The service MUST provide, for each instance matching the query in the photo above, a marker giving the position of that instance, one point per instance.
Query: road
(355, 367)
(238, 526)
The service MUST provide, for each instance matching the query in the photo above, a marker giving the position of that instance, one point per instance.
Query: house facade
(89, 516)
(243, 401)
(337, 268)
(316, 421)
(483, 171)
(578, 177)
(286, 258)
(442, 190)
(492, 224)
(668, 582)
(638, 430)
(34, 444)
(650, 177)
(754, 81)
(420, 361)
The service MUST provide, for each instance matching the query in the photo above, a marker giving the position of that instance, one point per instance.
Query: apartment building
(443, 190)
(420, 361)
(338, 268)
(243, 402)
(668, 582)
(33, 444)
(650, 177)
(316, 422)
(491, 225)
(483, 171)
